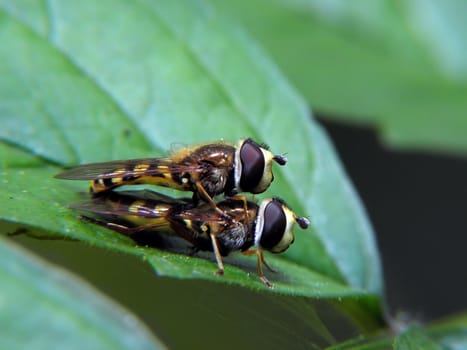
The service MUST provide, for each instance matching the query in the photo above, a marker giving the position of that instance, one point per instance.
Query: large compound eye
(252, 159)
(274, 227)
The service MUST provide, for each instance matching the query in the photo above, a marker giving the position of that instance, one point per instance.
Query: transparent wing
(127, 203)
(122, 168)
(204, 213)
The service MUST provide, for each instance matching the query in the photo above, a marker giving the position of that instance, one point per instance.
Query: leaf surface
(153, 74)
(44, 307)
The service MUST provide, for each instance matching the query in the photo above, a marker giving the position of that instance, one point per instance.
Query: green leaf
(152, 74)
(362, 343)
(62, 311)
(169, 305)
(399, 66)
(56, 218)
(451, 332)
(415, 337)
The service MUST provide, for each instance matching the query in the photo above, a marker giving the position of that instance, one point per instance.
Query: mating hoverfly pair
(207, 170)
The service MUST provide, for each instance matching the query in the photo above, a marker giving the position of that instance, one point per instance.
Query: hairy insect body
(198, 223)
(148, 211)
(233, 224)
(267, 226)
(213, 164)
(207, 170)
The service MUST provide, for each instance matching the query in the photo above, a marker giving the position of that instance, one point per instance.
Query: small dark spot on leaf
(126, 133)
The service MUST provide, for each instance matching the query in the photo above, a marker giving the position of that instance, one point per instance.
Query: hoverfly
(267, 226)
(207, 170)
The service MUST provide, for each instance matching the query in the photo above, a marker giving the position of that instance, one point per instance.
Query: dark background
(417, 204)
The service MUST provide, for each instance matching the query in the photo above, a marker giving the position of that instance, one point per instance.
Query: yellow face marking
(135, 207)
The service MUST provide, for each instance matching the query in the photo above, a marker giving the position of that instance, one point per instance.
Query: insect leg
(215, 247)
(259, 254)
(245, 205)
(203, 194)
(266, 264)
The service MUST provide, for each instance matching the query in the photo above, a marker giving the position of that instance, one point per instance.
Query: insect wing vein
(122, 168)
(101, 206)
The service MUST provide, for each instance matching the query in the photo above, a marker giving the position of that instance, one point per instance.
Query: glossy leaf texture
(44, 307)
(79, 85)
(399, 66)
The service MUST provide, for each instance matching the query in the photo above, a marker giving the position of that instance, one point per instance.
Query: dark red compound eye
(252, 159)
(275, 223)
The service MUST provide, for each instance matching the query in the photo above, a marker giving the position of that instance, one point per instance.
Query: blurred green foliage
(45, 307)
(400, 66)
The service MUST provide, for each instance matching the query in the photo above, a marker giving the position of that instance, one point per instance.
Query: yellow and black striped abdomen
(142, 213)
(151, 174)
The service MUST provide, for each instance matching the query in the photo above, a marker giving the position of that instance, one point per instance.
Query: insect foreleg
(217, 253)
(259, 254)
(203, 194)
